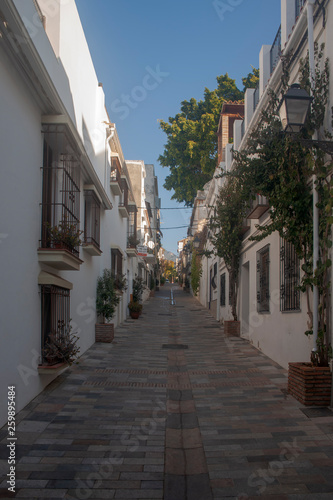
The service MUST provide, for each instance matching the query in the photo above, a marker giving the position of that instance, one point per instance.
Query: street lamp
(294, 108)
(196, 242)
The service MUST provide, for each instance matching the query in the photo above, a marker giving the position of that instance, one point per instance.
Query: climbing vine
(280, 166)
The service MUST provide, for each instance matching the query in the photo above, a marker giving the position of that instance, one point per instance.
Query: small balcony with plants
(60, 245)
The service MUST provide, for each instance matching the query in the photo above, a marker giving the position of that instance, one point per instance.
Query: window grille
(289, 277)
(222, 296)
(92, 218)
(263, 280)
(61, 187)
(299, 5)
(116, 262)
(132, 228)
(55, 305)
(275, 50)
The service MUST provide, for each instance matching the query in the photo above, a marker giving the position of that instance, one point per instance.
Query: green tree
(196, 272)
(191, 149)
(231, 208)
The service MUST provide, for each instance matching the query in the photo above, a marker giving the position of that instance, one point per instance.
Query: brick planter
(310, 385)
(104, 332)
(232, 328)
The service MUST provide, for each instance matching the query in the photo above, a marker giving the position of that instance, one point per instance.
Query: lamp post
(196, 242)
(293, 111)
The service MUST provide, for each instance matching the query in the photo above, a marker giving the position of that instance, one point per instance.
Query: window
(230, 294)
(61, 191)
(132, 228)
(116, 263)
(55, 303)
(263, 280)
(289, 277)
(222, 296)
(92, 216)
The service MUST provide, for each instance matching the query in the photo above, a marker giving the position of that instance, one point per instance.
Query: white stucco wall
(70, 87)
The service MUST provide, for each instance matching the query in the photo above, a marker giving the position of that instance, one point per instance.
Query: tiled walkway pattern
(173, 410)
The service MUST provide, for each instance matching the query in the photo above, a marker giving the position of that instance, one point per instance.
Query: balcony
(132, 243)
(60, 258)
(123, 202)
(258, 207)
(115, 179)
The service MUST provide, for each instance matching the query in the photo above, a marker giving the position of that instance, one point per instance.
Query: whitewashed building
(273, 314)
(58, 148)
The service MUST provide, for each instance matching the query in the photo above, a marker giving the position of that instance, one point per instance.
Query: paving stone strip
(138, 420)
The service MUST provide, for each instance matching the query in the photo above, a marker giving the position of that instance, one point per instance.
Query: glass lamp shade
(196, 242)
(294, 108)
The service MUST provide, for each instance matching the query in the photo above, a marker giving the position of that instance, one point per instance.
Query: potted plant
(107, 299)
(61, 346)
(132, 241)
(152, 286)
(64, 235)
(135, 309)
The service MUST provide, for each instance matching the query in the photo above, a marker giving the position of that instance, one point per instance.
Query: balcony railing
(123, 202)
(276, 50)
(115, 179)
(299, 5)
(258, 207)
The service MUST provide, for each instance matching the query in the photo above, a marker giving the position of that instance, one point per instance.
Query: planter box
(104, 332)
(310, 385)
(232, 328)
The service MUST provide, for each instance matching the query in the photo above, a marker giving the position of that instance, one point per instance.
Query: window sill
(59, 259)
(92, 249)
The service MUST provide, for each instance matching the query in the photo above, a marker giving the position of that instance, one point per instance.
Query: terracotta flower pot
(104, 332)
(310, 385)
(135, 314)
(232, 328)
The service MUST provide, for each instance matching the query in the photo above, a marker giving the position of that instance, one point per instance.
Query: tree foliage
(191, 149)
(196, 272)
(231, 208)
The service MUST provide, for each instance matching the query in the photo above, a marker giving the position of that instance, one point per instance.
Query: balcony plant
(107, 299)
(132, 241)
(64, 235)
(61, 346)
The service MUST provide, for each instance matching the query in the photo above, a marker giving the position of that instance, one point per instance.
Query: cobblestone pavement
(172, 410)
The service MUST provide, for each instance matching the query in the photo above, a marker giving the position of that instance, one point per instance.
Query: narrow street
(171, 410)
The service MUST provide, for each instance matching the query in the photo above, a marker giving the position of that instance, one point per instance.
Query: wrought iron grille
(55, 305)
(276, 50)
(92, 218)
(116, 262)
(263, 295)
(61, 189)
(289, 277)
(132, 229)
(123, 201)
(299, 5)
(222, 294)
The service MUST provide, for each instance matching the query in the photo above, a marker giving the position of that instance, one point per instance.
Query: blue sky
(150, 55)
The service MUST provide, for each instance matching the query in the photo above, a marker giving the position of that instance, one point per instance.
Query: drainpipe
(310, 6)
